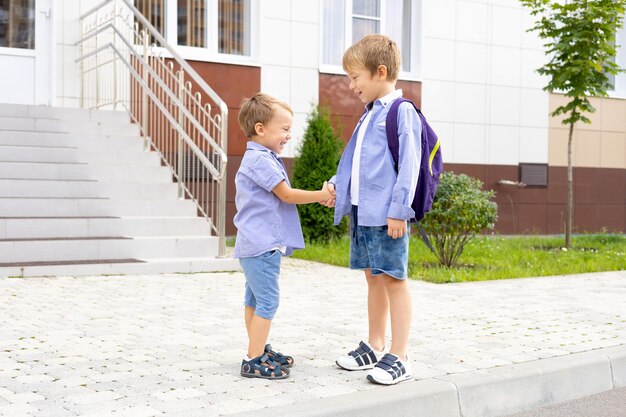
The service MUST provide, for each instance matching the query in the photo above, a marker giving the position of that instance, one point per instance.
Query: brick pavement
(170, 345)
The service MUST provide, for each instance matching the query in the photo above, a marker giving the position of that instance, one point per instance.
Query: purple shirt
(263, 220)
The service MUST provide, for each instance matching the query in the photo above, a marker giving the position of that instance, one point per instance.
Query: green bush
(460, 210)
(318, 158)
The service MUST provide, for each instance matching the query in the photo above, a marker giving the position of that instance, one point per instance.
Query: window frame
(210, 53)
(414, 74)
(619, 89)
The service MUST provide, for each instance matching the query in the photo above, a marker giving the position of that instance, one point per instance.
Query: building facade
(470, 65)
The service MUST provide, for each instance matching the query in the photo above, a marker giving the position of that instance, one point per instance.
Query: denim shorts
(262, 291)
(372, 248)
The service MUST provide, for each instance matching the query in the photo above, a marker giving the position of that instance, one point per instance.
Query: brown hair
(371, 52)
(258, 109)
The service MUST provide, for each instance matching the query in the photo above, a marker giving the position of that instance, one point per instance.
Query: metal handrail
(188, 126)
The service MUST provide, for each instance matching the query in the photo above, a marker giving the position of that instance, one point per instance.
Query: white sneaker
(364, 357)
(390, 370)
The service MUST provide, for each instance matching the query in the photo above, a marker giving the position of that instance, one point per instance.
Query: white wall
(289, 55)
(15, 69)
(480, 89)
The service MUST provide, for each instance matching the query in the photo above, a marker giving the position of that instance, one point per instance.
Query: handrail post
(221, 212)
(114, 18)
(181, 159)
(144, 92)
(97, 72)
(82, 65)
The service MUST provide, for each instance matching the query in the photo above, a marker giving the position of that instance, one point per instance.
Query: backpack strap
(391, 127)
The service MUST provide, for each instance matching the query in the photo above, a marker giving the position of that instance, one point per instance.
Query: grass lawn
(498, 257)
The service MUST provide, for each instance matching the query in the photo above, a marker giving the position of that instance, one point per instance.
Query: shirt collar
(385, 100)
(252, 145)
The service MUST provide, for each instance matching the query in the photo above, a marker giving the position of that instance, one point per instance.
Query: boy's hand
(330, 202)
(396, 228)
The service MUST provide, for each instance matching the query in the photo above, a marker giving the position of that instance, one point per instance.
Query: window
(365, 18)
(17, 24)
(154, 11)
(234, 19)
(347, 21)
(209, 26)
(192, 23)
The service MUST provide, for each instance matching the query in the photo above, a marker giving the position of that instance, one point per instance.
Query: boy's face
(275, 134)
(369, 87)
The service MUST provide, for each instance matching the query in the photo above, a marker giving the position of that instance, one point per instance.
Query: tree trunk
(570, 190)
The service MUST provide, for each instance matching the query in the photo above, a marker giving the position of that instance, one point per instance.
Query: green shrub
(318, 158)
(460, 210)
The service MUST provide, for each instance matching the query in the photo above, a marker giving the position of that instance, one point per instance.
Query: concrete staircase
(80, 196)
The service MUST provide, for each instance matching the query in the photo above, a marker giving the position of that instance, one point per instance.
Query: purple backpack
(431, 165)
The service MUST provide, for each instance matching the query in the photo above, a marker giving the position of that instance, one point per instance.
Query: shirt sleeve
(264, 172)
(409, 159)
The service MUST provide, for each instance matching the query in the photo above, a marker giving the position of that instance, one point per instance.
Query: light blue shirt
(383, 192)
(264, 222)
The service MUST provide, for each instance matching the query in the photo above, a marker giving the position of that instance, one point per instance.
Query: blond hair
(371, 52)
(258, 109)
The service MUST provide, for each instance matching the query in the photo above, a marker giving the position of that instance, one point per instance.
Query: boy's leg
(259, 331)
(248, 313)
(401, 314)
(262, 298)
(377, 309)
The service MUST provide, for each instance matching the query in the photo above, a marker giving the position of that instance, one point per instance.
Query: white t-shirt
(356, 161)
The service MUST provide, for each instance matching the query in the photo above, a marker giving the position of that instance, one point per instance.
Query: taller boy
(377, 195)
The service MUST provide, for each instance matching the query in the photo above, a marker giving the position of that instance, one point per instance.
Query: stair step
(38, 188)
(69, 262)
(182, 265)
(79, 207)
(34, 124)
(82, 141)
(81, 227)
(63, 113)
(58, 217)
(82, 249)
(10, 153)
(83, 171)
(42, 239)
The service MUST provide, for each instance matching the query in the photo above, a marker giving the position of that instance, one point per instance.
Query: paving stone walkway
(171, 345)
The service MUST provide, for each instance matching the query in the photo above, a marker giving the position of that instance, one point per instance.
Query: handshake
(329, 194)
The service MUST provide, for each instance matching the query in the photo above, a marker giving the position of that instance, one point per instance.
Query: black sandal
(262, 367)
(283, 360)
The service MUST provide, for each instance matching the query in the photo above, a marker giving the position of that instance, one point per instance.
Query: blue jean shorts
(372, 248)
(262, 291)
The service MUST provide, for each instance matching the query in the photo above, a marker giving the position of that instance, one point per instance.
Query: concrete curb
(492, 392)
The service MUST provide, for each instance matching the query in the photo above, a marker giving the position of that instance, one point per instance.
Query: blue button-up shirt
(263, 220)
(383, 192)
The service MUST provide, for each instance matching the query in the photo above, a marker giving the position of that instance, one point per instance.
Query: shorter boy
(267, 224)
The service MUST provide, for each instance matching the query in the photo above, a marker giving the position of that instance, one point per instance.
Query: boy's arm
(296, 196)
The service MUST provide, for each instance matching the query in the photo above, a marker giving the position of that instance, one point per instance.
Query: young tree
(460, 210)
(317, 161)
(580, 43)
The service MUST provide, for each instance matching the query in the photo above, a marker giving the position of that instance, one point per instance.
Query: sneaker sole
(403, 378)
(263, 376)
(358, 368)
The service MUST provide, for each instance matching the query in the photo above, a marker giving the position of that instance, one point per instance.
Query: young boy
(377, 196)
(267, 224)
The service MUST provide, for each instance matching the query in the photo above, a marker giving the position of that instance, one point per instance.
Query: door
(25, 45)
